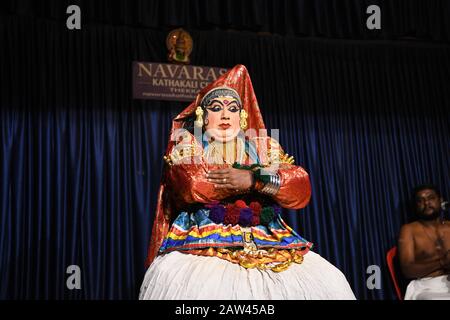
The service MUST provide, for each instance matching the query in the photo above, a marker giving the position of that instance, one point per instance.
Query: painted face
(428, 204)
(223, 119)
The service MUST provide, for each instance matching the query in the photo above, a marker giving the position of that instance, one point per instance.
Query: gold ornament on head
(179, 42)
(199, 120)
(243, 121)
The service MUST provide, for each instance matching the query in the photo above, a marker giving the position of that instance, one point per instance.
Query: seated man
(424, 248)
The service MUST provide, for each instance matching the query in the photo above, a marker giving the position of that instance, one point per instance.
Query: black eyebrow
(222, 105)
(214, 100)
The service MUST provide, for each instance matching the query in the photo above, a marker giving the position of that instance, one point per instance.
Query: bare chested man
(424, 248)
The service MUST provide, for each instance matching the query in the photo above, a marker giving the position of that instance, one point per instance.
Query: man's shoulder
(410, 227)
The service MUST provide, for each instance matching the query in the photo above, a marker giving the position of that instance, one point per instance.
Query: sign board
(176, 82)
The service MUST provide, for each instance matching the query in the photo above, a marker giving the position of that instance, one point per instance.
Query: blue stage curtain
(80, 161)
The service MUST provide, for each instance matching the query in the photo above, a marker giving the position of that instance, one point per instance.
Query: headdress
(219, 92)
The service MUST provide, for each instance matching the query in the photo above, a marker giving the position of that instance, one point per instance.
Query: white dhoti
(431, 288)
(177, 276)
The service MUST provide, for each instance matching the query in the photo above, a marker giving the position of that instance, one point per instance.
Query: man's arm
(410, 267)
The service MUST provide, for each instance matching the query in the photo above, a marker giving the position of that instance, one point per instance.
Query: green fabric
(256, 168)
(267, 215)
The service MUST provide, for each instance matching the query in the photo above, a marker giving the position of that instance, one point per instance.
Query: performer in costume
(218, 231)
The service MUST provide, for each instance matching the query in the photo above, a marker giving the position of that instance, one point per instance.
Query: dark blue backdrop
(80, 161)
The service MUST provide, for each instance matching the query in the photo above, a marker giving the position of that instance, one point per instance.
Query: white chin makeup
(222, 135)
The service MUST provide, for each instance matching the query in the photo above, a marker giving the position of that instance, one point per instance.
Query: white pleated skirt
(180, 276)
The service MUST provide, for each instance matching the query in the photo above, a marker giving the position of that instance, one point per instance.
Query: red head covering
(237, 79)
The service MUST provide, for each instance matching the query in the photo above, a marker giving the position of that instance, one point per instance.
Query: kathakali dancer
(218, 231)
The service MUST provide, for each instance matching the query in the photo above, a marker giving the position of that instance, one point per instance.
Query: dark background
(363, 111)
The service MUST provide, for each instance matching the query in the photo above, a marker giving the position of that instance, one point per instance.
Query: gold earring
(199, 120)
(243, 121)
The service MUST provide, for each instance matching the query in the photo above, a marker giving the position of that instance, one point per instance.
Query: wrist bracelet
(262, 182)
(272, 186)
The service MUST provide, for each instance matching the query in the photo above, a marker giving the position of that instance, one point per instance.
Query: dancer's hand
(231, 178)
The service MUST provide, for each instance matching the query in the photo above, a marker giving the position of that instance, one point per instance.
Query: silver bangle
(271, 188)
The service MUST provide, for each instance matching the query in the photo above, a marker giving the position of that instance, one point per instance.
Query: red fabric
(240, 204)
(232, 215)
(256, 207)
